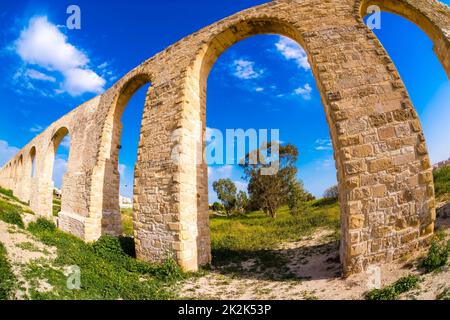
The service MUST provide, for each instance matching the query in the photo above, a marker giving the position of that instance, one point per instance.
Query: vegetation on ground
(438, 253)
(7, 279)
(10, 213)
(108, 269)
(394, 291)
(56, 206)
(442, 182)
(127, 221)
(243, 237)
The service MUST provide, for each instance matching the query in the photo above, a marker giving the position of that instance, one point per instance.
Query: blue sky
(262, 82)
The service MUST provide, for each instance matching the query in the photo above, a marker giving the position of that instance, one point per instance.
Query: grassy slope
(7, 279)
(108, 269)
(253, 235)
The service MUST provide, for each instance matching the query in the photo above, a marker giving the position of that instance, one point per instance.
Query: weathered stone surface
(372, 123)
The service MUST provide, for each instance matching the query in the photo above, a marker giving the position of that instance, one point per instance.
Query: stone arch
(375, 132)
(197, 83)
(432, 17)
(111, 222)
(45, 182)
(32, 162)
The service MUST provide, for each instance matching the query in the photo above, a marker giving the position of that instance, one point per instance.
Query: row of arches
(30, 175)
(171, 197)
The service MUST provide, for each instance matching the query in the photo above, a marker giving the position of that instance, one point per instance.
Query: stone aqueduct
(384, 173)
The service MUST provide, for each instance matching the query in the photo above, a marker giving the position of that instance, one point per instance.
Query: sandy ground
(314, 261)
(22, 249)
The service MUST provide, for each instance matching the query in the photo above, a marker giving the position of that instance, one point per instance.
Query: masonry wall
(383, 168)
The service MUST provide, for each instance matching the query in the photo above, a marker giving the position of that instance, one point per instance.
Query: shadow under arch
(111, 222)
(431, 17)
(200, 70)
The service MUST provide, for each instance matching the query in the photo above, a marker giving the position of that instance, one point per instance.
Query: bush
(437, 254)
(331, 193)
(442, 181)
(12, 218)
(393, 291)
(42, 224)
(6, 192)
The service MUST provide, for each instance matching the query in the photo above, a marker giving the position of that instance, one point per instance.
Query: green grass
(107, 271)
(127, 221)
(254, 235)
(444, 295)
(56, 206)
(10, 195)
(442, 182)
(7, 279)
(394, 291)
(10, 213)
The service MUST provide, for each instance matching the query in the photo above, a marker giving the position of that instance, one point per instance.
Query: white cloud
(79, 81)
(36, 75)
(103, 65)
(65, 143)
(36, 128)
(222, 172)
(323, 145)
(292, 51)
(41, 43)
(7, 152)
(304, 92)
(259, 89)
(122, 169)
(245, 69)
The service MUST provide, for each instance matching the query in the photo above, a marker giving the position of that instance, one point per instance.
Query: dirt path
(313, 272)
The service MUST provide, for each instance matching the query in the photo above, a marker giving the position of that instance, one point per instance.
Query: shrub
(437, 254)
(442, 181)
(393, 291)
(12, 218)
(42, 224)
(6, 192)
(331, 193)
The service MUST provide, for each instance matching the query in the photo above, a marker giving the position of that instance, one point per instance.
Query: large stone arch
(429, 15)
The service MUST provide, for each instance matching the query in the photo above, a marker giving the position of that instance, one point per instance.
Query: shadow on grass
(294, 264)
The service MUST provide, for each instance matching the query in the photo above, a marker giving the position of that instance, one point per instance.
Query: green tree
(270, 192)
(226, 192)
(242, 202)
(217, 207)
(297, 197)
(331, 193)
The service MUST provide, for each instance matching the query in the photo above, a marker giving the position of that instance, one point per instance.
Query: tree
(297, 197)
(331, 193)
(242, 202)
(226, 192)
(270, 192)
(217, 207)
